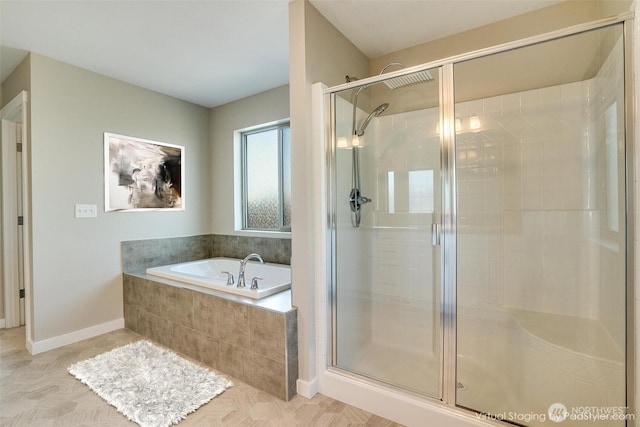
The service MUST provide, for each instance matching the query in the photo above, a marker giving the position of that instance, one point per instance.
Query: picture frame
(143, 175)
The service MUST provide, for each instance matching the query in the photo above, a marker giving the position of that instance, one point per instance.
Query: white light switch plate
(86, 211)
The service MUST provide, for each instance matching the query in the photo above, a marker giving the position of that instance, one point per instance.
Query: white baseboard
(2, 323)
(35, 347)
(307, 389)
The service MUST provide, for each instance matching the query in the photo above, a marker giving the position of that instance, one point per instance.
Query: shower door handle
(435, 234)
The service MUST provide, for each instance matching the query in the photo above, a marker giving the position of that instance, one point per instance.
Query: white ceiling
(211, 52)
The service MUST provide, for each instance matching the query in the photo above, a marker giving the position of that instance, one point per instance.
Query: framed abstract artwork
(142, 175)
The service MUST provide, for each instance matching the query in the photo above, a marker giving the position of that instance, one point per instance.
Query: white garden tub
(208, 273)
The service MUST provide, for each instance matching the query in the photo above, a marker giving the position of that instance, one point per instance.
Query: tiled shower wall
(524, 199)
(404, 272)
(542, 181)
(386, 287)
(533, 175)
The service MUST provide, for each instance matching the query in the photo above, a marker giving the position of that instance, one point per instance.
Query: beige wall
(265, 107)
(317, 53)
(540, 21)
(17, 81)
(77, 280)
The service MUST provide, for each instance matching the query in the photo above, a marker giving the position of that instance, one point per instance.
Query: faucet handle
(229, 277)
(254, 282)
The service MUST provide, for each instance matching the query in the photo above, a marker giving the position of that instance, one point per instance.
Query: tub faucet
(243, 263)
(229, 277)
(254, 282)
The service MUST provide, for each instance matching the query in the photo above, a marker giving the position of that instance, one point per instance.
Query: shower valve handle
(356, 200)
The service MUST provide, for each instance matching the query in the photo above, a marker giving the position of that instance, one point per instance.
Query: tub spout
(243, 263)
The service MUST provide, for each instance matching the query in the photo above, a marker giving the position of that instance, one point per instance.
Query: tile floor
(38, 391)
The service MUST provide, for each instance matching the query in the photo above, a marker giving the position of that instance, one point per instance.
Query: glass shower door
(541, 232)
(386, 193)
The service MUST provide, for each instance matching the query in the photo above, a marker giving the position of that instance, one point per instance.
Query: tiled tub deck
(254, 341)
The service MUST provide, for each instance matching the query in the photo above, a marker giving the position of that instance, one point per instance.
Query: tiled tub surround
(255, 341)
(277, 251)
(137, 255)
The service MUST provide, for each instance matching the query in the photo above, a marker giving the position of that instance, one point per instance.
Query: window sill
(261, 233)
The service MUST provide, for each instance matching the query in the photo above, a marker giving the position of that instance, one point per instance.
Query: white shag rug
(149, 385)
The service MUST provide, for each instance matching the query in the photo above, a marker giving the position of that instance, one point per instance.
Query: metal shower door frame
(448, 303)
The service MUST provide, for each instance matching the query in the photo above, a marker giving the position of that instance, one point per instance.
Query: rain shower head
(375, 113)
(409, 79)
(406, 80)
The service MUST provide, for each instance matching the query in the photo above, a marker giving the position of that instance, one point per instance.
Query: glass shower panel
(541, 237)
(386, 193)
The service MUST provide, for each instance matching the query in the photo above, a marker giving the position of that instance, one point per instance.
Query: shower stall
(479, 236)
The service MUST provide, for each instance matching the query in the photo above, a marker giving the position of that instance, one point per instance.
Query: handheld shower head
(380, 109)
(375, 113)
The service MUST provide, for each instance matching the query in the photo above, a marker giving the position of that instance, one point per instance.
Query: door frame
(15, 112)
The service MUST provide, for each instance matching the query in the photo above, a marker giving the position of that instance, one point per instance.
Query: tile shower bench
(254, 341)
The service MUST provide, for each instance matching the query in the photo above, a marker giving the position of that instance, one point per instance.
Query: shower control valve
(356, 200)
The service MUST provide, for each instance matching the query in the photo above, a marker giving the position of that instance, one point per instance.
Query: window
(266, 178)
(411, 191)
(421, 191)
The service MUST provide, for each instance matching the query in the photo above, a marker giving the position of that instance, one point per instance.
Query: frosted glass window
(286, 177)
(267, 178)
(421, 191)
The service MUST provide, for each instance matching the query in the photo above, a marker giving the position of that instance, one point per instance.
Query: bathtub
(208, 273)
